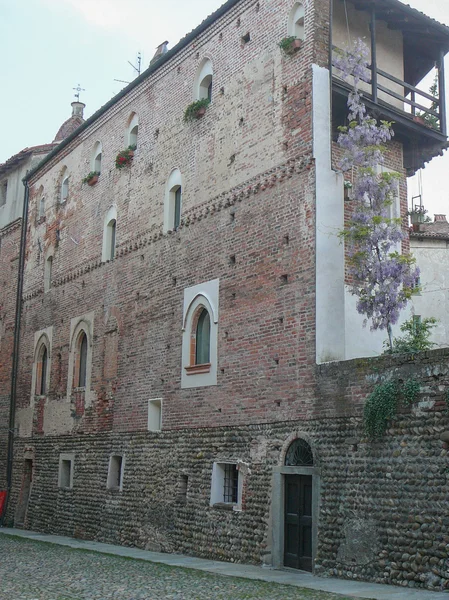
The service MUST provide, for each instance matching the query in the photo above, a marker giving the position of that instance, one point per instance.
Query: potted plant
(196, 110)
(417, 216)
(125, 157)
(92, 178)
(290, 45)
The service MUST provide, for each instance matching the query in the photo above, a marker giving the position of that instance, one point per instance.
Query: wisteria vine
(383, 279)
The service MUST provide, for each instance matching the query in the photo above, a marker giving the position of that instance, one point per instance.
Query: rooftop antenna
(137, 69)
(78, 90)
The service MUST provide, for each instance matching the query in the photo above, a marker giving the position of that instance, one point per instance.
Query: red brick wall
(9, 262)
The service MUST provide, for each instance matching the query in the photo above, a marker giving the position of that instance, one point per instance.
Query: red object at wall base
(2, 502)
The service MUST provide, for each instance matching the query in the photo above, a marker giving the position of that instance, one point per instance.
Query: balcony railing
(405, 94)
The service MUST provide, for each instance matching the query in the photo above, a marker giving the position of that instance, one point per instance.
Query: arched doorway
(295, 501)
(298, 508)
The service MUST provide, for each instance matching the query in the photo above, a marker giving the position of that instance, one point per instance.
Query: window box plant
(125, 157)
(196, 110)
(348, 187)
(92, 178)
(290, 45)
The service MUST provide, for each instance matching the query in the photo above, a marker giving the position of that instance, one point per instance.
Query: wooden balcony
(419, 117)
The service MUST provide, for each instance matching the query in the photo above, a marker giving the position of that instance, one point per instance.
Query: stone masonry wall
(383, 505)
(9, 262)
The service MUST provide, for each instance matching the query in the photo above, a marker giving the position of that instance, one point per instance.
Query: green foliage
(191, 112)
(416, 338)
(431, 120)
(90, 176)
(286, 44)
(410, 391)
(380, 407)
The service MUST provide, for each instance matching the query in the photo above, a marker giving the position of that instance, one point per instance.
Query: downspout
(15, 356)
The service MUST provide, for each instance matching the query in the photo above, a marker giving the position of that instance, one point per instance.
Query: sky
(48, 47)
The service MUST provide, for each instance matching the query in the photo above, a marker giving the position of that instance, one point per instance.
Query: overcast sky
(49, 46)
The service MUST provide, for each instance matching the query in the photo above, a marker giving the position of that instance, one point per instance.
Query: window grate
(230, 483)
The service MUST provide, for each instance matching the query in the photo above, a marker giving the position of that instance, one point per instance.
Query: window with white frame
(173, 201)
(40, 380)
(155, 414)
(64, 192)
(80, 356)
(41, 207)
(96, 157)
(116, 472)
(203, 81)
(109, 235)
(66, 468)
(200, 335)
(133, 130)
(296, 22)
(48, 271)
(227, 485)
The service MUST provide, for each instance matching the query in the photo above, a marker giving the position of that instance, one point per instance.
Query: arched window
(202, 339)
(296, 21)
(111, 238)
(109, 235)
(80, 379)
(203, 81)
(299, 454)
(41, 371)
(64, 186)
(133, 130)
(96, 157)
(42, 207)
(48, 273)
(173, 201)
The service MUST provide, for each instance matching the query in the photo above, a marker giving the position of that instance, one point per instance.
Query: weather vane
(78, 90)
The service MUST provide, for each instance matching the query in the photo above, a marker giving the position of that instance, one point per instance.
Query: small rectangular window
(155, 414)
(226, 488)
(230, 483)
(177, 219)
(115, 473)
(66, 462)
(3, 192)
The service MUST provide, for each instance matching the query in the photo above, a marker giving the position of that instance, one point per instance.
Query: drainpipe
(15, 357)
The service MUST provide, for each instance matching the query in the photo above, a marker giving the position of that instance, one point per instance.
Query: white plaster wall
(360, 340)
(330, 296)
(390, 53)
(432, 257)
(12, 210)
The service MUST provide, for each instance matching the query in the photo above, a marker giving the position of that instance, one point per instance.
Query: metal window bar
(230, 484)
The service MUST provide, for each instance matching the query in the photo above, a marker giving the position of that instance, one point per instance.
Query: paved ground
(31, 568)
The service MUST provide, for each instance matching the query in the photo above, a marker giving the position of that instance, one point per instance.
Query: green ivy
(381, 405)
(410, 391)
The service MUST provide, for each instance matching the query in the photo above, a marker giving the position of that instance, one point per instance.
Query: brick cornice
(225, 200)
(11, 227)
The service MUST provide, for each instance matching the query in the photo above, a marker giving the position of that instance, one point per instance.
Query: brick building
(12, 173)
(177, 311)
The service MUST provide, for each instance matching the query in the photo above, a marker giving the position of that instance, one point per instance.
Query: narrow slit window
(82, 361)
(202, 350)
(177, 215)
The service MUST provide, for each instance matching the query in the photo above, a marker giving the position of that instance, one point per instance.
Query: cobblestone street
(36, 571)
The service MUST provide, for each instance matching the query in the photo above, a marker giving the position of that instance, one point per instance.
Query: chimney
(77, 109)
(440, 219)
(160, 50)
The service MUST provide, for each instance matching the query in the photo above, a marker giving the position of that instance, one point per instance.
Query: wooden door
(298, 522)
(24, 497)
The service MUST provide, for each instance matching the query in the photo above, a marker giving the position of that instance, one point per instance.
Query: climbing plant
(383, 278)
(382, 404)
